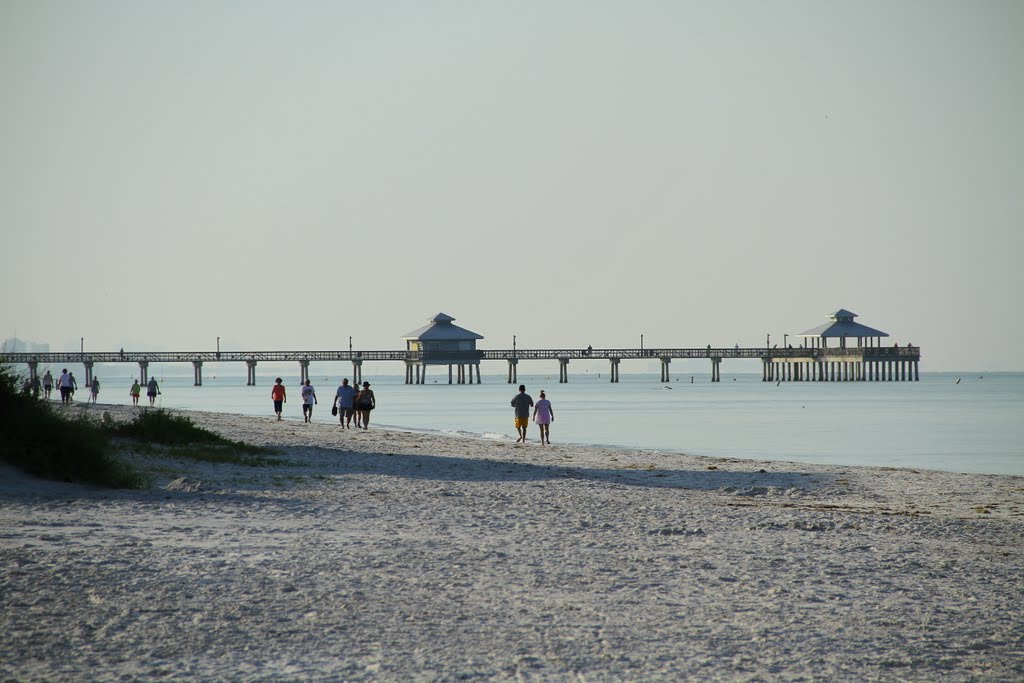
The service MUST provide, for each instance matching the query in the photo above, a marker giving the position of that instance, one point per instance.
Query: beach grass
(162, 427)
(38, 440)
(50, 444)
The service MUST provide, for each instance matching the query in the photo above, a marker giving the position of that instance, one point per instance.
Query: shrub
(159, 426)
(39, 441)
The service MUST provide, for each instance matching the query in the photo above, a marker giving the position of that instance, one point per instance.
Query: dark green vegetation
(36, 439)
(183, 439)
(41, 441)
(159, 426)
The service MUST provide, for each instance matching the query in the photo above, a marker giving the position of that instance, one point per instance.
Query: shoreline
(969, 428)
(495, 436)
(396, 555)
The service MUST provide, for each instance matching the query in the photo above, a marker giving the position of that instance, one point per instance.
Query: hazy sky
(286, 174)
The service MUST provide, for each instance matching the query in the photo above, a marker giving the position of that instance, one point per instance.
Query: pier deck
(861, 363)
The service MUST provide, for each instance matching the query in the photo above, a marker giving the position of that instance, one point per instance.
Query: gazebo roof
(841, 324)
(441, 329)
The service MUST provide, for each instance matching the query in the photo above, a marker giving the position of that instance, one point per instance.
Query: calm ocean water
(976, 425)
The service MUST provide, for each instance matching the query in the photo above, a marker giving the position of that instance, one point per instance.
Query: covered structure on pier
(442, 343)
(864, 360)
(842, 326)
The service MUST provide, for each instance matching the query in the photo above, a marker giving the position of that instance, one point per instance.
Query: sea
(959, 422)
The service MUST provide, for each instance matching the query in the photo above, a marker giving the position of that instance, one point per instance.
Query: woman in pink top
(543, 415)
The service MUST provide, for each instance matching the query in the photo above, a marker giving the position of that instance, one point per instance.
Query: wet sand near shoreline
(392, 555)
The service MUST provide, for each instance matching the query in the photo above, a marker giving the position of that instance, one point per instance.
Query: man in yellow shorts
(522, 403)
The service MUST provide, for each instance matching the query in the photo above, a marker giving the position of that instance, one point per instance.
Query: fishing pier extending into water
(800, 364)
(443, 344)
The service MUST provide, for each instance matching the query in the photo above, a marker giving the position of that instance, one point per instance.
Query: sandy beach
(391, 555)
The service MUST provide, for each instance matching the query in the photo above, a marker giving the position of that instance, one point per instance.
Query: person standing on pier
(522, 402)
(308, 401)
(544, 415)
(47, 385)
(134, 392)
(343, 399)
(152, 390)
(277, 395)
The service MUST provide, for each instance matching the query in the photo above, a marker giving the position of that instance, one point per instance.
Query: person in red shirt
(278, 395)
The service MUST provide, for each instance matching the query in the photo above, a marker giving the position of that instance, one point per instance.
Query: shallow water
(972, 426)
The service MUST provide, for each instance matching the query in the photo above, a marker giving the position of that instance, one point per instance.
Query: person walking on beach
(544, 415)
(73, 388)
(152, 390)
(94, 389)
(35, 386)
(308, 401)
(134, 392)
(277, 395)
(64, 385)
(356, 413)
(522, 402)
(367, 402)
(47, 385)
(344, 400)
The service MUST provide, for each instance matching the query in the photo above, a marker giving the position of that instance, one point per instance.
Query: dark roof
(842, 325)
(441, 329)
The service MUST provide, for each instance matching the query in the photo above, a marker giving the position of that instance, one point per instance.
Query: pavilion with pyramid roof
(442, 343)
(841, 326)
(856, 355)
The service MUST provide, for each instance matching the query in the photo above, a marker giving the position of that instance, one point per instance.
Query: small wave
(495, 436)
(458, 432)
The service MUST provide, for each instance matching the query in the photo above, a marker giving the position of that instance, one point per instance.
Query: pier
(873, 363)
(856, 355)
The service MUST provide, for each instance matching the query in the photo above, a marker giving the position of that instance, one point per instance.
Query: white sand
(388, 555)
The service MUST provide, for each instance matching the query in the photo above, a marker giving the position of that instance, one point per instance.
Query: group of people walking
(66, 384)
(349, 404)
(152, 391)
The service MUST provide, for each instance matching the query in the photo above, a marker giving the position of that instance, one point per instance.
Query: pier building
(856, 355)
(442, 343)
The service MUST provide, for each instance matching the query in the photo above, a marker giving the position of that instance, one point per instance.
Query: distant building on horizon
(15, 345)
